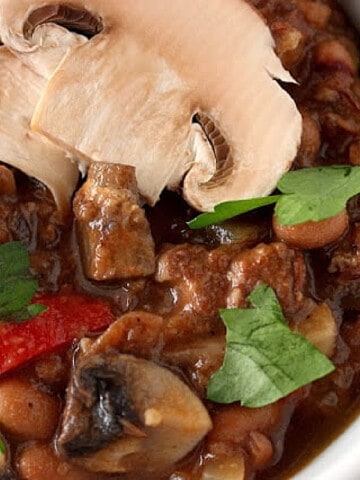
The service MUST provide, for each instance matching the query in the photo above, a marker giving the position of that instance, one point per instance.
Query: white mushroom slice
(28, 151)
(49, 44)
(130, 94)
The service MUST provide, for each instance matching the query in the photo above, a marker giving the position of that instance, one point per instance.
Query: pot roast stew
(134, 344)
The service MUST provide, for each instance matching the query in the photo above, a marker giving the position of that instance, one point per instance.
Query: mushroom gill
(129, 94)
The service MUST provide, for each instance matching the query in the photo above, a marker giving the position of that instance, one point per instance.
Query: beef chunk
(276, 265)
(199, 276)
(114, 234)
(203, 281)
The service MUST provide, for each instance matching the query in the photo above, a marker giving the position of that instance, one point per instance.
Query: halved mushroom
(131, 93)
(126, 414)
(21, 83)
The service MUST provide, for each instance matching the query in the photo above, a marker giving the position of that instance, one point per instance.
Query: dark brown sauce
(333, 272)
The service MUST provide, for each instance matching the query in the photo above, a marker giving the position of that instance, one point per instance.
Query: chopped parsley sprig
(264, 360)
(17, 285)
(307, 194)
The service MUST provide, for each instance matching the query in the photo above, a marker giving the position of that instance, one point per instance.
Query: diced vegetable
(68, 317)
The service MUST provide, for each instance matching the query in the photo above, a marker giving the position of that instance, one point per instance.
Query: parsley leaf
(264, 360)
(227, 210)
(17, 286)
(316, 193)
(307, 194)
(2, 448)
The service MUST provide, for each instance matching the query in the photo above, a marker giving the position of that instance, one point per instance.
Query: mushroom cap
(127, 414)
(130, 94)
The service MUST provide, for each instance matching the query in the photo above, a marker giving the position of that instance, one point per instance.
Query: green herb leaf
(227, 210)
(17, 286)
(316, 193)
(2, 447)
(307, 194)
(264, 360)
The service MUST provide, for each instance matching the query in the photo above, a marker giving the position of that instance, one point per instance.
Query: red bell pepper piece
(67, 318)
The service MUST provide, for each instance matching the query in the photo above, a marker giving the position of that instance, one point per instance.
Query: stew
(110, 381)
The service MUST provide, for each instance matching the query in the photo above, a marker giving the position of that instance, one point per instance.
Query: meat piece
(276, 265)
(126, 414)
(198, 275)
(345, 258)
(202, 281)
(197, 279)
(114, 233)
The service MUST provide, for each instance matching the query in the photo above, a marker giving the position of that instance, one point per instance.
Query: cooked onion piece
(320, 328)
(227, 468)
(129, 95)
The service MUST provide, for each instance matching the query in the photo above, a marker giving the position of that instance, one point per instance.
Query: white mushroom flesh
(129, 95)
(22, 148)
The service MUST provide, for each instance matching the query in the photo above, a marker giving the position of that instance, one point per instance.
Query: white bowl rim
(339, 461)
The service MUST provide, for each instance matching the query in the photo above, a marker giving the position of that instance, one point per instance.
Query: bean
(316, 14)
(233, 424)
(40, 462)
(334, 55)
(310, 234)
(26, 412)
(260, 449)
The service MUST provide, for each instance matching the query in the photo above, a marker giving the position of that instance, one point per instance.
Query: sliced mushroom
(21, 86)
(129, 95)
(126, 414)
